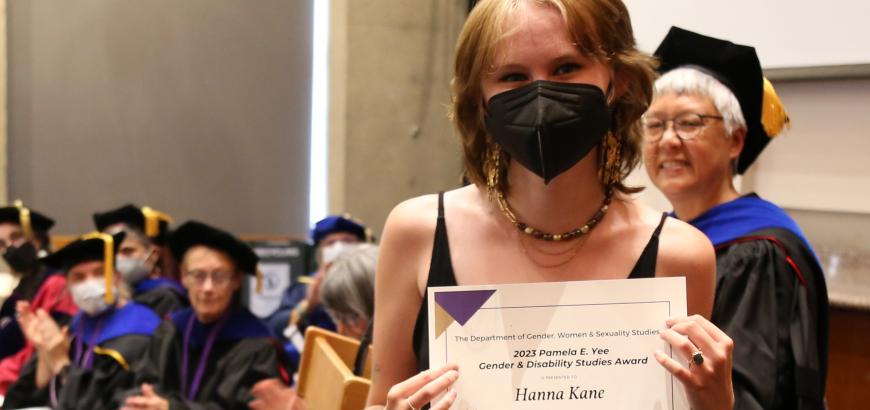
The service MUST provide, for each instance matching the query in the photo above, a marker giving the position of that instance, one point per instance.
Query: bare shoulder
(412, 219)
(415, 219)
(685, 248)
(686, 251)
(409, 236)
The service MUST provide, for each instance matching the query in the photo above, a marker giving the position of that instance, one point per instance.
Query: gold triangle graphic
(442, 320)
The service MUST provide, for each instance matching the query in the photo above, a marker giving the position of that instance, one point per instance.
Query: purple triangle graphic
(462, 305)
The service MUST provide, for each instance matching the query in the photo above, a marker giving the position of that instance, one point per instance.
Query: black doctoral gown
(121, 341)
(244, 353)
(771, 299)
(162, 295)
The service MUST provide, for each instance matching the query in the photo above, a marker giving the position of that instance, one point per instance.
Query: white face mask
(132, 270)
(333, 251)
(90, 296)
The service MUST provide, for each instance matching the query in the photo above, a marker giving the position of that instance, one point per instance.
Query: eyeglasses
(218, 278)
(342, 317)
(686, 126)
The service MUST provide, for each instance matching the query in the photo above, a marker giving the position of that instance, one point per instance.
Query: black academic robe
(771, 300)
(162, 295)
(122, 342)
(243, 354)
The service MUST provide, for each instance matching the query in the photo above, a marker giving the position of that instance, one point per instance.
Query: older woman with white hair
(348, 290)
(712, 114)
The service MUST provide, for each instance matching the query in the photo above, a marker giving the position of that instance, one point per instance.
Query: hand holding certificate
(561, 345)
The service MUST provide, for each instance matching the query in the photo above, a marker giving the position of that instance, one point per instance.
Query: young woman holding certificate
(546, 98)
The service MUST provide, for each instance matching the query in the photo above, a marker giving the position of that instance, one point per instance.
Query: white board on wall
(786, 33)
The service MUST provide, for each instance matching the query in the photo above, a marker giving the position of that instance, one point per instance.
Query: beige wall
(820, 170)
(390, 139)
(3, 128)
(199, 108)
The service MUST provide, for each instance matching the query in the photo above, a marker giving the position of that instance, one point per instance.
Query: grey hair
(349, 286)
(691, 81)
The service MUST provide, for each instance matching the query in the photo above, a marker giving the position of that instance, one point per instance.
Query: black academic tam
(195, 233)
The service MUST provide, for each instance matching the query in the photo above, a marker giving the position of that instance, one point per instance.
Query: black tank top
(441, 274)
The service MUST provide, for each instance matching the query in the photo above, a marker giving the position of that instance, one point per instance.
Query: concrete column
(390, 68)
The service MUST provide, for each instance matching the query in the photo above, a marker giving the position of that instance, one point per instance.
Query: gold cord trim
(114, 354)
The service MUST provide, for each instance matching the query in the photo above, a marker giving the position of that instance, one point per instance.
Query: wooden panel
(326, 381)
(849, 360)
(59, 241)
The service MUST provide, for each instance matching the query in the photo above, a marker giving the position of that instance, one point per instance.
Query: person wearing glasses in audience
(711, 116)
(142, 257)
(24, 238)
(82, 365)
(210, 354)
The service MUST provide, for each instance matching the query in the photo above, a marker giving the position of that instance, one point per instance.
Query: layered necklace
(575, 236)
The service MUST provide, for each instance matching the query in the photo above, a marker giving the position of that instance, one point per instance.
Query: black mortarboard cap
(153, 223)
(86, 248)
(734, 65)
(28, 219)
(195, 233)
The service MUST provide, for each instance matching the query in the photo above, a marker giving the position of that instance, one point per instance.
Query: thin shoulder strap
(659, 228)
(646, 263)
(440, 268)
(440, 274)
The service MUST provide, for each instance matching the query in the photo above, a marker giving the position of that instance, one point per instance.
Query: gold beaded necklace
(544, 236)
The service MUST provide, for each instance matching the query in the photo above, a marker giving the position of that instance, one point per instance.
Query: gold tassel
(153, 218)
(108, 260)
(773, 115)
(24, 219)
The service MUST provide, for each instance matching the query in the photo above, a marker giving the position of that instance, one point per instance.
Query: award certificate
(558, 345)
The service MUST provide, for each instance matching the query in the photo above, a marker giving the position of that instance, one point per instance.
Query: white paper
(562, 345)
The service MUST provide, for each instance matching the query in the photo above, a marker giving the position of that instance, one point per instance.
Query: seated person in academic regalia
(23, 239)
(80, 366)
(211, 354)
(300, 305)
(142, 257)
(712, 113)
